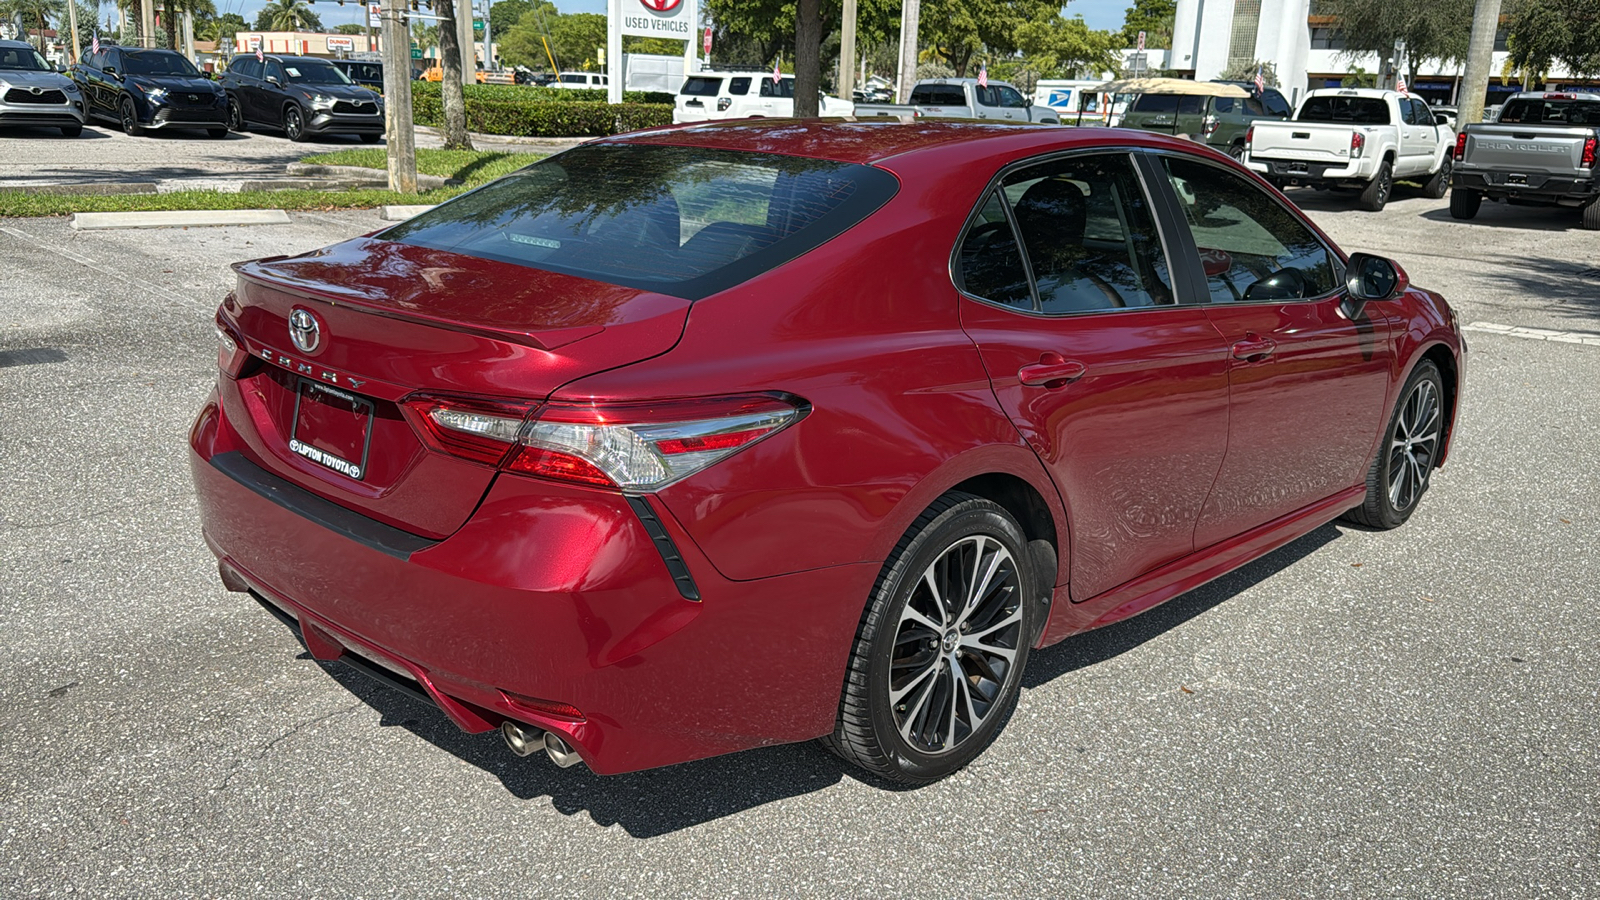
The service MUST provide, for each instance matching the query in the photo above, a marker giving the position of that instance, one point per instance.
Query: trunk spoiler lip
(536, 338)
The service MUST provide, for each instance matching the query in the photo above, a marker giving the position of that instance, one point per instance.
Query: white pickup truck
(964, 98)
(1360, 138)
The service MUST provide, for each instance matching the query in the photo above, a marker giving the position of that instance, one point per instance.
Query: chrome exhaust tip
(559, 752)
(522, 739)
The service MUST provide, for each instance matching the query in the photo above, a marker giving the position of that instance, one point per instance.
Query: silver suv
(32, 93)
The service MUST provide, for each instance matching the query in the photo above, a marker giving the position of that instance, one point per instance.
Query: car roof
(283, 58)
(14, 44)
(870, 141)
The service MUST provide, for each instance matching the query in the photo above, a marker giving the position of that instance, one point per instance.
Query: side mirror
(273, 80)
(1284, 284)
(112, 71)
(1372, 279)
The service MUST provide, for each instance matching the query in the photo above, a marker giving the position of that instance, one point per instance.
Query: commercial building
(1302, 41)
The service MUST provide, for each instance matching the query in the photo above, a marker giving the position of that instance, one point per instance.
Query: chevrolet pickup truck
(1361, 138)
(964, 98)
(1541, 150)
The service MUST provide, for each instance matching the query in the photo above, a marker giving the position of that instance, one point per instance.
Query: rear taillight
(1250, 137)
(632, 446)
(483, 431)
(231, 355)
(1587, 161)
(1461, 145)
(1358, 142)
(1208, 125)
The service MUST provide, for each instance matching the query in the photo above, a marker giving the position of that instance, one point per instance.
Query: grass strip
(20, 204)
(473, 167)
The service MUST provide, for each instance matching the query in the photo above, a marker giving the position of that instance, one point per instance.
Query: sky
(1099, 14)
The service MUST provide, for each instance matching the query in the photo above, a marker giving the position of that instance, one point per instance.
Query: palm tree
(31, 12)
(287, 15)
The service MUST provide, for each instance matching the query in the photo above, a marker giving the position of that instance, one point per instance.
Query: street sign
(707, 41)
(416, 52)
(658, 18)
(477, 23)
(374, 15)
(1141, 42)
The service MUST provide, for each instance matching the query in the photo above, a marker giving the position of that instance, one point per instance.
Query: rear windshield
(700, 86)
(1355, 110)
(1166, 103)
(938, 95)
(1548, 111)
(682, 221)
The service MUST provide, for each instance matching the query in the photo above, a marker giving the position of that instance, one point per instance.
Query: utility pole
(1480, 59)
(72, 28)
(488, 38)
(188, 33)
(147, 23)
(398, 132)
(469, 68)
(847, 52)
(910, 19)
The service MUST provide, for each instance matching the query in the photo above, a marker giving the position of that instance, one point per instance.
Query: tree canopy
(1154, 18)
(1432, 29)
(1545, 32)
(287, 15)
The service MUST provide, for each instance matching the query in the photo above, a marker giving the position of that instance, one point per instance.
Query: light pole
(399, 134)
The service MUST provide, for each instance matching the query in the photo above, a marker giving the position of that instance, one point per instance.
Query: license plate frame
(304, 446)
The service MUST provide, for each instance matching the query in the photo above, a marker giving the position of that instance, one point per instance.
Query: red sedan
(707, 438)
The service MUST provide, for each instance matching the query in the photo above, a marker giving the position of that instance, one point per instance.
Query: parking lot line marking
(1587, 338)
(91, 264)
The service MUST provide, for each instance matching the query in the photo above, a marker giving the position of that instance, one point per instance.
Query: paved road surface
(1409, 714)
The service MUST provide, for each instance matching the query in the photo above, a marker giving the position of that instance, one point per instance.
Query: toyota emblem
(304, 331)
(661, 6)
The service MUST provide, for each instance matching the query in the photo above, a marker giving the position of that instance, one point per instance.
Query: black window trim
(1334, 252)
(1159, 213)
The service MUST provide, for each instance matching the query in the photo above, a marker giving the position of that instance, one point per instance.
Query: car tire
(216, 134)
(1400, 472)
(1591, 215)
(1437, 186)
(1464, 203)
(71, 130)
(1237, 151)
(235, 115)
(1376, 194)
(294, 124)
(129, 117)
(903, 714)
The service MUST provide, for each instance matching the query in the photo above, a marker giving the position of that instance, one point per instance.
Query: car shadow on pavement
(661, 801)
(1505, 215)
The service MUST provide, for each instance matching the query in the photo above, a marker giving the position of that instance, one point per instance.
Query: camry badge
(304, 331)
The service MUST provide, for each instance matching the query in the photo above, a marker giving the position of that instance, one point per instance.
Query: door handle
(1254, 349)
(1051, 371)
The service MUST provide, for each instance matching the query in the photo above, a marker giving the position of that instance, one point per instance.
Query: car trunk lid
(396, 320)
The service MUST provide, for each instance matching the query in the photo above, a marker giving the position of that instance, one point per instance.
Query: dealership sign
(659, 18)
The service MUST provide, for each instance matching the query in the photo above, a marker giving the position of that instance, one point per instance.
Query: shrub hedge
(522, 111)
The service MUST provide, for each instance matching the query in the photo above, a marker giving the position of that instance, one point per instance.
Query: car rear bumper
(548, 593)
(1531, 186)
(1307, 172)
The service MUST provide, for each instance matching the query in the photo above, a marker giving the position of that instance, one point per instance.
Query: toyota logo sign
(661, 5)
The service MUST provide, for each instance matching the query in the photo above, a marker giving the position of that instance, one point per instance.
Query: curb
(401, 213)
(178, 219)
(363, 176)
(115, 187)
(312, 184)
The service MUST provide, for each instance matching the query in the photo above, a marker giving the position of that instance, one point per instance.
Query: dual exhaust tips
(525, 740)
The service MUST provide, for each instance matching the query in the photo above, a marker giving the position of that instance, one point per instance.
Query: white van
(580, 81)
(710, 95)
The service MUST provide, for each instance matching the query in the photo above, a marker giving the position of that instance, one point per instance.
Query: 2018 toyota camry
(705, 438)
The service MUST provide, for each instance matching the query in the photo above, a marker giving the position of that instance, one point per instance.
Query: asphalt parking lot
(1405, 714)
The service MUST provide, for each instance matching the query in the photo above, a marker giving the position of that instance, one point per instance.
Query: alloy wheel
(956, 645)
(292, 124)
(130, 121)
(1385, 184)
(1413, 445)
(235, 116)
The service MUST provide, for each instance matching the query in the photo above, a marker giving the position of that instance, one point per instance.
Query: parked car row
(139, 90)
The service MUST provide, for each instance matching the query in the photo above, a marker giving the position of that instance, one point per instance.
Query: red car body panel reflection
(1166, 463)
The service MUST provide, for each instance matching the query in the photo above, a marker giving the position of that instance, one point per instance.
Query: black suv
(300, 96)
(141, 89)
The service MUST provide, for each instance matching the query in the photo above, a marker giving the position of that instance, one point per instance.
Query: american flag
(983, 75)
(1401, 85)
(777, 72)
(1261, 83)
(94, 44)
(260, 57)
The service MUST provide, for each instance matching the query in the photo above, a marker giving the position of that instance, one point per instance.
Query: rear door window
(989, 265)
(739, 86)
(1275, 104)
(682, 221)
(784, 88)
